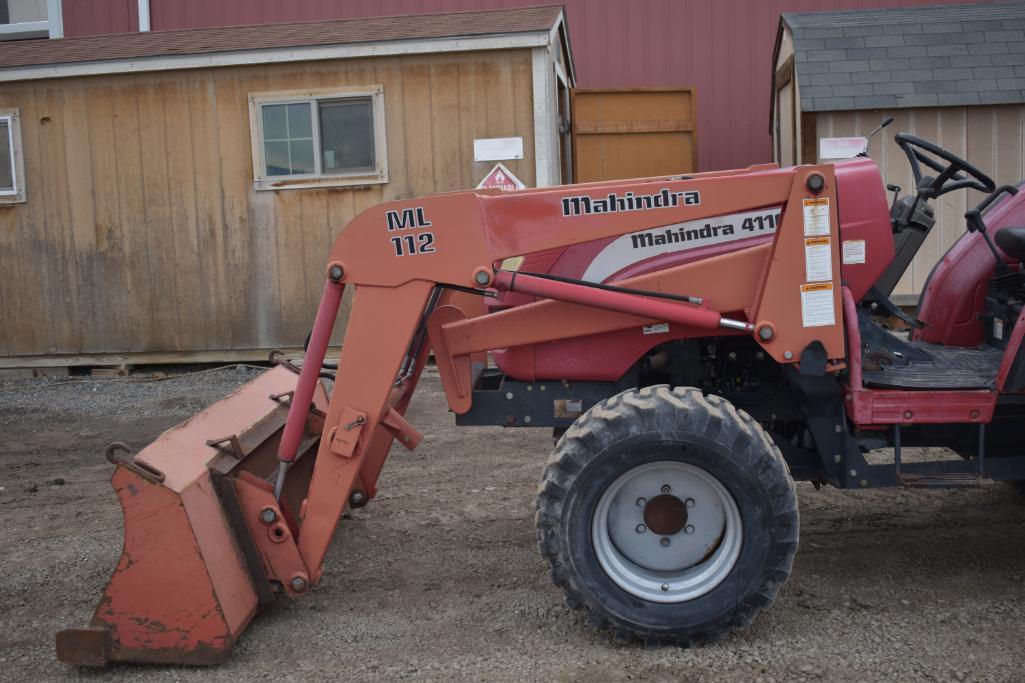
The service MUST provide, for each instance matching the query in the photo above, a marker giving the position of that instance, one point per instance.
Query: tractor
(696, 344)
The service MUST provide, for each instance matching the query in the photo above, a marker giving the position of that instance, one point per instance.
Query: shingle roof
(27, 53)
(949, 55)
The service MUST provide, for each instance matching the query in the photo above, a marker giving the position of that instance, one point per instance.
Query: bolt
(641, 502)
(641, 528)
(732, 355)
(530, 387)
(689, 502)
(838, 428)
(689, 528)
(268, 516)
(526, 419)
(665, 587)
(815, 183)
(765, 334)
(543, 388)
(837, 458)
(509, 395)
(357, 499)
(863, 483)
(908, 414)
(665, 488)
(481, 277)
(854, 473)
(298, 584)
(336, 273)
(664, 541)
(788, 355)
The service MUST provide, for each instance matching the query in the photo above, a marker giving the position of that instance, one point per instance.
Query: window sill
(327, 181)
(8, 199)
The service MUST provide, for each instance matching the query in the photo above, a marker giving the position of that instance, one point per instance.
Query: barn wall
(142, 230)
(722, 48)
(990, 137)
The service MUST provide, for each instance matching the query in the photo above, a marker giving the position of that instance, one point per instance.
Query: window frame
(16, 195)
(376, 176)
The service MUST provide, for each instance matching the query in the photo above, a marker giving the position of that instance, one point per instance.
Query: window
(30, 19)
(318, 138)
(12, 184)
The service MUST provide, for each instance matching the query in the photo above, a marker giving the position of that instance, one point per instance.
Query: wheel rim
(667, 531)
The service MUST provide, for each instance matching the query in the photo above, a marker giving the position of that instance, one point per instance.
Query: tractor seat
(1012, 241)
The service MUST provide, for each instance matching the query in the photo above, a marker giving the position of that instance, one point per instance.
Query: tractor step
(941, 367)
(957, 480)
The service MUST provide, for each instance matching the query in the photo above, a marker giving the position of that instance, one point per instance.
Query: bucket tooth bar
(189, 605)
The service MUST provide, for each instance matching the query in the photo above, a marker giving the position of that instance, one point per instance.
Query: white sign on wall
(841, 148)
(497, 149)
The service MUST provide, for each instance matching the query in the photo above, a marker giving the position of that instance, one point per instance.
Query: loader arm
(468, 234)
(419, 269)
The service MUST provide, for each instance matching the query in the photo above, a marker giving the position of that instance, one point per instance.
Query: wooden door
(633, 133)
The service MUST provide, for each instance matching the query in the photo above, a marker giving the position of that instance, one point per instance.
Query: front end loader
(695, 343)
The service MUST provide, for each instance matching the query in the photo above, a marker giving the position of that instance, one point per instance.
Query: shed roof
(948, 55)
(53, 54)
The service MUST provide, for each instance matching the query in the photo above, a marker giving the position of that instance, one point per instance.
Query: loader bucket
(189, 579)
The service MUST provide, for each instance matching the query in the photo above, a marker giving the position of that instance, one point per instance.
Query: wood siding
(990, 137)
(633, 133)
(722, 48)
(142, 231)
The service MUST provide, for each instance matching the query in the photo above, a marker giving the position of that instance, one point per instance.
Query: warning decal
(818, 259)
(853, 251)
(816, 217)
(817, 305)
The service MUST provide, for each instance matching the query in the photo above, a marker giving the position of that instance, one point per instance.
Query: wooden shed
(953, 74)
(172, 195)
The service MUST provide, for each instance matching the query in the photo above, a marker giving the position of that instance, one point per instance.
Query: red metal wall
(721, 47)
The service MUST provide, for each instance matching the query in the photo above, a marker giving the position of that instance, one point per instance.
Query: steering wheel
(955, 175)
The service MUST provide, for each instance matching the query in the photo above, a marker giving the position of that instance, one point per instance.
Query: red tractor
(697, 343)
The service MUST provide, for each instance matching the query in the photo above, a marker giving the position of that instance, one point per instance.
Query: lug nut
(298, 584)
(268, 516)
(664, 541)
(689, 502)
(689, 529)
(665, 488)
(665, 587)
(641, 502)
(641, 528)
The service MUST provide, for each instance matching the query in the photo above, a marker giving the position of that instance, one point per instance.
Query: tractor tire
(668, 516)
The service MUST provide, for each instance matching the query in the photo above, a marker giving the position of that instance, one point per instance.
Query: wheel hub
(666, 531)
(665, 514)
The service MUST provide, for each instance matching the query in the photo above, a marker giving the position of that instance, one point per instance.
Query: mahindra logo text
(628, 201)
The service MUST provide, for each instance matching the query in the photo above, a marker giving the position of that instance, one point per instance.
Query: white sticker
(853, 251)
(497, 149)
(629, 249)
(657, 328)
(818, 259)
(816, 217)
(817, 305)
(998, 328)
(841, 148)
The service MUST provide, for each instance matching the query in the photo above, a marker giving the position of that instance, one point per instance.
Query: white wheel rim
(662, 565)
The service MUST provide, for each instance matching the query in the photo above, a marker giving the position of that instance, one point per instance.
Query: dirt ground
(439, 577)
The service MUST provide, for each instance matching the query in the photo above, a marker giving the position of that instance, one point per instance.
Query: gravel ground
(439, 577)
